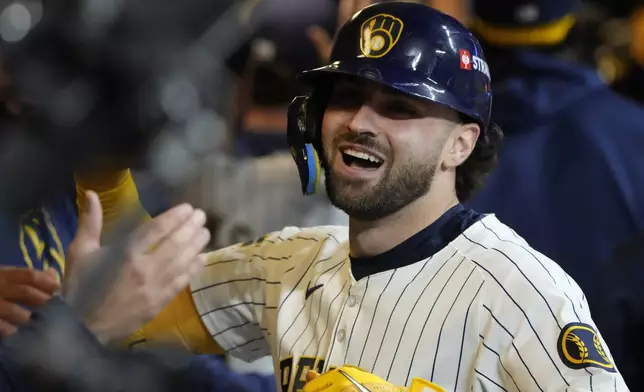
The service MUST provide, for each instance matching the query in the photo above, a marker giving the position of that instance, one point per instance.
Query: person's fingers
(40, 280)
(192, 249)
(198, 264)
(13, 313)
(173, 244)
(182, 280)
(172, 247)
(155, 230)
(360, 4)
(88, 234)
(6, 329)
(26, 295)
(90, 223)
(46, 281)
(346, 8)
(321, 41)
(51, 272)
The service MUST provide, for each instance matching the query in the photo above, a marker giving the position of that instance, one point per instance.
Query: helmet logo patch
(466, 59)
(379, 34)
(470, 62)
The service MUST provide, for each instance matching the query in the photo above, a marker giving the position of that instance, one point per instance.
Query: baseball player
(417, 286)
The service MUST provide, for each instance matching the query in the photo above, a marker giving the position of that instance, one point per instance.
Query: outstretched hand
(161, 258)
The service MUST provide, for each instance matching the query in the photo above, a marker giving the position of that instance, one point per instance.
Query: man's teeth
(362, 155)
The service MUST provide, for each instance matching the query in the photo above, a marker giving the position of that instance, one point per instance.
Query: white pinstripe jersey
(485, 313)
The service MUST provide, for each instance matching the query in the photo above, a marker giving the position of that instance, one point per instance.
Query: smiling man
(417, 286)
(376, 165)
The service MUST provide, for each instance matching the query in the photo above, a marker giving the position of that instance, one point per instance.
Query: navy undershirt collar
(420, 246)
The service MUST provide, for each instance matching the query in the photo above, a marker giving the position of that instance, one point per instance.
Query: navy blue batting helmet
(410, 47)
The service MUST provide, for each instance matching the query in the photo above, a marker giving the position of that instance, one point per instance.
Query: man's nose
(362, 121)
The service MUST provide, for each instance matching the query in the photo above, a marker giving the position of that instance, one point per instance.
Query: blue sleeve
(224, 379)
(10, 380)
(5, 380)
(27, 345)
(619, 312)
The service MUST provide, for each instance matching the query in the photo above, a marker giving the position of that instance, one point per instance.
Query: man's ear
(460, 145)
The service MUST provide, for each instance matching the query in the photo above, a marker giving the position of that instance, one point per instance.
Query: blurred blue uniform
(40, 238)
(571, 171)
(206, 374)
(570, 178)
(621, 310)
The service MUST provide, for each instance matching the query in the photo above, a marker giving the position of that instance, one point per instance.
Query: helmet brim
(405, 81)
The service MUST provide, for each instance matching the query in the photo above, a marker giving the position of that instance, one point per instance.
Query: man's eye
(399, 110)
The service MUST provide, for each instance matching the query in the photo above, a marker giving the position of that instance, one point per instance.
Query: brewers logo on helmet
(379, 34)
(410, 47)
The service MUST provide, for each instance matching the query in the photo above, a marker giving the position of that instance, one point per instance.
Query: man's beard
(398, 188)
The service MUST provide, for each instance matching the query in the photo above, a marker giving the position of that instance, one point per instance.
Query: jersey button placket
(345, 321)
(341, 335)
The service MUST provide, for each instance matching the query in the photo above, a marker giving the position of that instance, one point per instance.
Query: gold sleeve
(178, 323)
(116, 190)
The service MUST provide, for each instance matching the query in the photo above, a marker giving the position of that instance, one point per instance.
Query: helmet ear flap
(303, 136)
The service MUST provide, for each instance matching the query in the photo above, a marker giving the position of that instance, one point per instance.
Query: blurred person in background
(148, 279)
(34, 247)
(610, 37)
(265, 68)
(625, 47)
(251, 186)
(570, 172)
(36, 273)
(621, 309)
(36, 250)
(111, 179)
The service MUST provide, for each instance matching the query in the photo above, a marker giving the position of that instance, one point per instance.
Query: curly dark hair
(471, 175)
